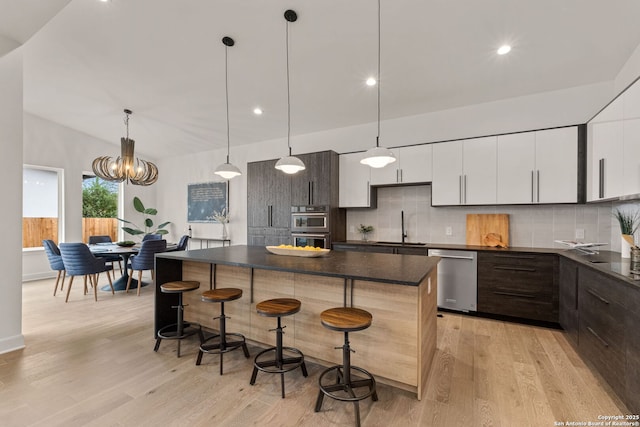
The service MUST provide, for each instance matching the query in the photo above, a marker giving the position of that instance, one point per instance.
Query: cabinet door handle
(460, 188)
(604, 343)
(397, 175)
(309, 193)
(601, 179)
(401, 177)
(514, 256)
(514, 294)
(368, 193)
(597, 296)
(270, 215)
(532, 186)
(538, 186)
(510, 268)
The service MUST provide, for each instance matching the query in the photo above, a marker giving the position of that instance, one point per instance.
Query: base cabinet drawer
(518, 284)
(632, 351)
(568, 298)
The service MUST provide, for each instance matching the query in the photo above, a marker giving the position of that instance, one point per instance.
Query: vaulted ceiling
(164, 59)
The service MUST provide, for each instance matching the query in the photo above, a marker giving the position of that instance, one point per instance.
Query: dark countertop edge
(188, 256)
(453, 246)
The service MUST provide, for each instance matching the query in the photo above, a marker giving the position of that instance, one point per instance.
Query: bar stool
(180, 329)
(278, 363)
(342, 387)
(222, 343)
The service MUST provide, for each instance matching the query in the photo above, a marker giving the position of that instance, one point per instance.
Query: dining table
(125, 252)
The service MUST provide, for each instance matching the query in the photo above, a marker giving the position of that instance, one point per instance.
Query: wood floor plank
(92, 364)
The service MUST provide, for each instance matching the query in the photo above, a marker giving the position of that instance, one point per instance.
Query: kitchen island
(399, 291)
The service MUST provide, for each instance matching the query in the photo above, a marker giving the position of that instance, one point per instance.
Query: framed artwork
(205, 199)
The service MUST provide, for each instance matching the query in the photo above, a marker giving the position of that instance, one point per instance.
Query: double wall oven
(310, 226)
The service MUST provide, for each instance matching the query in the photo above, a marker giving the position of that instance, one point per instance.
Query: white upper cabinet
(464, 172)
(446, 188)
(631, 150)
(516, 168)
(605, 160)
(355, 188)
(413, 165)
(556, 165)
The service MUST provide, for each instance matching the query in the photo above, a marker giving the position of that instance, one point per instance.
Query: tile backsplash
(535, 226)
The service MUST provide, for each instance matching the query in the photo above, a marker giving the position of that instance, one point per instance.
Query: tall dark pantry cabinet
(271, 193)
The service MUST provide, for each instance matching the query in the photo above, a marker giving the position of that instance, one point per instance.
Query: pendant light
(227, 170)
(126, 167)
(289, 164)
(378, 157)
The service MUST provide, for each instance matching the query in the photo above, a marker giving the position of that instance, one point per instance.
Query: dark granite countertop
(386, 268)
(607, 262)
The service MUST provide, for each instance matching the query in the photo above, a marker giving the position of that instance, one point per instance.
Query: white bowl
(297, 252)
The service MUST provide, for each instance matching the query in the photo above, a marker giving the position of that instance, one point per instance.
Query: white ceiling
(164, 60)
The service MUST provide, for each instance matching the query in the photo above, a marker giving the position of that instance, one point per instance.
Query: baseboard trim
(10, 344)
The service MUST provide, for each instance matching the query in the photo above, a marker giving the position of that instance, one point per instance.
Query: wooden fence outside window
(35, 230)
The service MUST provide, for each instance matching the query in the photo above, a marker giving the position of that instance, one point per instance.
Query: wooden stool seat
(179, 286)
(346, 319)
(278, 307)
(221, 295)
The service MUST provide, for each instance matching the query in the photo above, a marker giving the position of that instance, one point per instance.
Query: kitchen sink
(401, 244)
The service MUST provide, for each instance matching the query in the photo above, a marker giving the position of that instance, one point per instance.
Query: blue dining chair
(55, 261)
(145, 260)
(183, 243)
(79, 261)
(94, 240)
(152, 237)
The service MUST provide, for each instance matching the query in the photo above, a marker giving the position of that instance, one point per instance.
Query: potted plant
(147, 213)
(223, 218)
(365, 230)
(628, 226)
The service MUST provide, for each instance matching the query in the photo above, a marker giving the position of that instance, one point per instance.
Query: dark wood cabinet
(271, 193)
(568, 297)
(268, 204)
(632, 350)
(518, 284)
(601, 323)
(380, 249)
(318, 183)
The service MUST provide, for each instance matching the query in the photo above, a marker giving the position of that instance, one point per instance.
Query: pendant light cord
(288, 95)
(126, 123)
(226, 86)
(378, 137)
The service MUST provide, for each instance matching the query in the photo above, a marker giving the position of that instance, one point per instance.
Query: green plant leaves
(138, 206)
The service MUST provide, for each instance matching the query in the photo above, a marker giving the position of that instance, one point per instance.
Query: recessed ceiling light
(257, 111)
(371, 81)
(504, 49)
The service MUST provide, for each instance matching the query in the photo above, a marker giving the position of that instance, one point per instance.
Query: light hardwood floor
(92, 364)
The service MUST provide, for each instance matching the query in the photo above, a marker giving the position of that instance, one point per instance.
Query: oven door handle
(309, 214)
(321, 236)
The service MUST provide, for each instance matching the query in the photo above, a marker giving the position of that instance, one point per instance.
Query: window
(41, 205)
(99, 207)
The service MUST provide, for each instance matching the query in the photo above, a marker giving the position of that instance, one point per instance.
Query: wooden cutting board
(480, 225)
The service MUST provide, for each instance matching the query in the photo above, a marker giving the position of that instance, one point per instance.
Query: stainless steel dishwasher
(457, 279)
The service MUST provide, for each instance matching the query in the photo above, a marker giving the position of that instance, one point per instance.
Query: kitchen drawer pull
(513, 294)
(604, 343)
(598, 296)
(514, 256)
(510, 268)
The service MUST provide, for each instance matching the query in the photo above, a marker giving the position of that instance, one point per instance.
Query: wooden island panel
(397, 348)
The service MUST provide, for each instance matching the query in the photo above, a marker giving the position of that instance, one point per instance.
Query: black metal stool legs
(344, 386)
(278, 364)
(177, 331)
(222, 344)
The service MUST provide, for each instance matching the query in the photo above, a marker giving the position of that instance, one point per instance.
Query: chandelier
(125, 167)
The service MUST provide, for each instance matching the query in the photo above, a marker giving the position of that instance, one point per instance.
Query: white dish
(297, 252)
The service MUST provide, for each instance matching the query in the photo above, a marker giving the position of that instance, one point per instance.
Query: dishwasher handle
(453, 256)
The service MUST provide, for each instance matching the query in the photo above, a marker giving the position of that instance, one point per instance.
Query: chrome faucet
(404, 232)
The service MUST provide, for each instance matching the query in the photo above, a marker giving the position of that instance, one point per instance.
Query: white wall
(50, 144)
(11, 214)
(549, 109)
